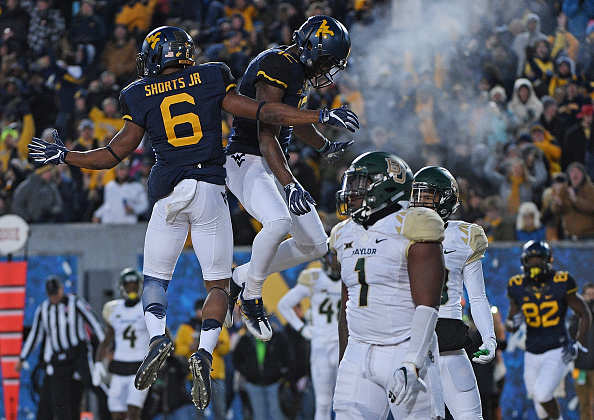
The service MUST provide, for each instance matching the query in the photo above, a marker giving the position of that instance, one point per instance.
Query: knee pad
(314, 251)
(154, 296)
(276, 230)
(460, 372)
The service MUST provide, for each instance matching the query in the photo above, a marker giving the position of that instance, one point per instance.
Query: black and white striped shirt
(61, 326)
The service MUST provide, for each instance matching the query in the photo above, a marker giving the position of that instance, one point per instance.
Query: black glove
(332, 150)
(44, 152)
(298, 199)
(340, 117)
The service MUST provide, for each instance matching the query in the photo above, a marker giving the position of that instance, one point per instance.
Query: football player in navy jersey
(257, 170)
(540, 297)
(179, 105)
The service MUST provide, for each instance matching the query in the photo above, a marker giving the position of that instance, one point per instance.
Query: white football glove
(99, 373)
(486, 352)
(514, 324)
(405, 383)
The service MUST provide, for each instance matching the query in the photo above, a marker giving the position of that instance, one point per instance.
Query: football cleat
(256, 320)
(234, 291)
(160, 347)
(200, 366)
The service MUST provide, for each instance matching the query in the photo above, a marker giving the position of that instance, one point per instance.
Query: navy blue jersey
(181, 112)
(280, 69)
(543, 302)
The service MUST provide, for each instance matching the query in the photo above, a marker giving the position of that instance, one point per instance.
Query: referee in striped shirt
(61, 323)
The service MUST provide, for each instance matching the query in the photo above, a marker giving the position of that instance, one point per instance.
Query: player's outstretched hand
(340, 117)
(486, 352)
(45, 152)
(405, 384)
(298, 199)
(333, 150)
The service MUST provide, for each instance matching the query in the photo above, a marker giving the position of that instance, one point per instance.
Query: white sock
(209, 339)
(154, 325)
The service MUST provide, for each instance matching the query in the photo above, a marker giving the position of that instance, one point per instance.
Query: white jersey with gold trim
(324, 294)
(374, 269)
(130, 334)
(464, 243)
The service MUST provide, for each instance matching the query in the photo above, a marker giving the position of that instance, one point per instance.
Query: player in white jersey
(392, 271)
(322, 286)
(126, 326)
(463, 247)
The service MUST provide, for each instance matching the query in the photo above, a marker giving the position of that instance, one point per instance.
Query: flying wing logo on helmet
(395, 171)
(324, 30)
(153, 39)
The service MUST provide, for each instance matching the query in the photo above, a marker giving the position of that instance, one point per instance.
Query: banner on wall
(13, 276)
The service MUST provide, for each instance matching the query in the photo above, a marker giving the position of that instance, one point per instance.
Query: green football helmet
(439, 182)
(374, 181)
(130, 275)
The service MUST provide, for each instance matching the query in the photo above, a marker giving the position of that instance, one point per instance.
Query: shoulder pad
(108, 309)
(478, 242)
(420, 224)
(307, 277)
(335, 233)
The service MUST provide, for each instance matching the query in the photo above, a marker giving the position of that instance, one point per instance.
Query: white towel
(433, 381)
(180, 198)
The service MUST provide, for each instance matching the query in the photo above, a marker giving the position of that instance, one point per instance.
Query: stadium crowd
(501, 94)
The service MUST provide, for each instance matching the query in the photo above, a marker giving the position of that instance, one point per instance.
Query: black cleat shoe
(234, 291)
(256, 322)
(159, 349)
(200, 365)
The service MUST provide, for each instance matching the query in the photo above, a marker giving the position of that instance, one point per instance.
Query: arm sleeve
(422, 331)
(85, 310)
(35, 335)
(289, 300)
(479, 304)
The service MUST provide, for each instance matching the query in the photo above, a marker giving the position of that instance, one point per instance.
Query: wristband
(258, 111)
(108, 147)
(324, 147)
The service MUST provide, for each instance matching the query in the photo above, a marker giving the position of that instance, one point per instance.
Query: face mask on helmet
(323, 45)
(435, 188)
(374, 181)
(536, 259)
(131, 284)
(163, 48)
(352, 197)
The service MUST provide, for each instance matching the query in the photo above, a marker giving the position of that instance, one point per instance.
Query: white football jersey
(324, 294)
(131, 336)
(463, 244)
(374, 269)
